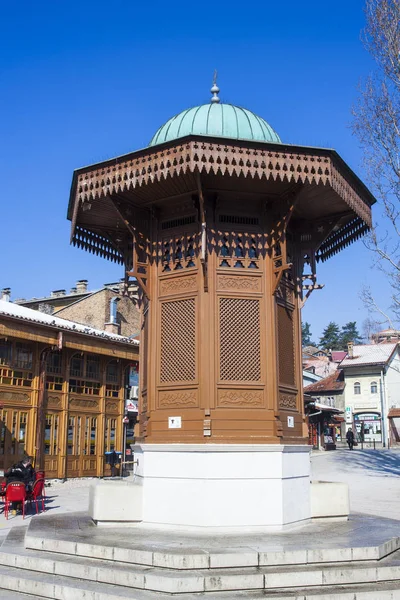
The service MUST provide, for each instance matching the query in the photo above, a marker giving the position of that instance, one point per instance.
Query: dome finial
(215, 90)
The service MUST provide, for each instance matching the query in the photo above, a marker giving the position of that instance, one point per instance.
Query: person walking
(350, 438)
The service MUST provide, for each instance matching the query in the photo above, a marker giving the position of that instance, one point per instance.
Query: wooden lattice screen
(178, 340)
(240, 340)
(286, 356)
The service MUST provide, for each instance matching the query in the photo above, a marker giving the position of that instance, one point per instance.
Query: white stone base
(224, 486)
(330, 500)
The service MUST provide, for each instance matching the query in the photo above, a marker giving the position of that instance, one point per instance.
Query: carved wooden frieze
(287, 401)
(179, 398)
(14, 397)
(239, 283)
(236, 398)
(83, 404)
(54, 402)
(178, 285)
(111, 407)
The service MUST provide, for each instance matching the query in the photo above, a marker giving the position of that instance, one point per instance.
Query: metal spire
(215, 90)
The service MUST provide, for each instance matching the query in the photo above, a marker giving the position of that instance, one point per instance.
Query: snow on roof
(16, 311)
(369, 354)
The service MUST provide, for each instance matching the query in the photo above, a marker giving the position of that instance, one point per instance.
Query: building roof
(338, 355)
(9, 309)
(333, 383)
(217, 120)
(393, 413)
(369, 354)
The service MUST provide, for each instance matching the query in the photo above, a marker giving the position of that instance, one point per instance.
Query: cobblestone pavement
(373, 477)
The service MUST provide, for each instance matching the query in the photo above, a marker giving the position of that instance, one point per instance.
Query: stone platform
(68, 557)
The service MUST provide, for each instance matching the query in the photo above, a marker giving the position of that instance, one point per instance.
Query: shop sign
(134, 375)
(349, 416)
(367, 417)
(131, 405)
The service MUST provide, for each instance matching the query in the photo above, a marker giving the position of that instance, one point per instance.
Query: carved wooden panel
(14, 397)
(240, 339)
(286, 356)
(242, 398)
(287, 401)
(179, 398)
(177, 285)
(178, 340)
(83, 404)
(239, 283)
(111, 407)
(54, 402)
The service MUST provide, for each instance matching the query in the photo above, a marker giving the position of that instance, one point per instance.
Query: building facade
(372, 378)
(63, 392)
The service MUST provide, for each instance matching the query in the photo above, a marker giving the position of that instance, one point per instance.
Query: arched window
(53, 363)
(374, 387)
(93, 367)
(357, 387)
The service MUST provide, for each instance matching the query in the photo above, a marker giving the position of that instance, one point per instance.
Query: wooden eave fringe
(299, 166)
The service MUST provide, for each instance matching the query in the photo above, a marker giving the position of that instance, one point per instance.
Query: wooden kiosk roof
(145, 178)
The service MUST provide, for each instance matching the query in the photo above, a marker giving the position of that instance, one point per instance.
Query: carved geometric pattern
(240, 398)
(287, 401)
(75, 403)
(178, 284)
(148, 166)
(179, 252)
(54, 402)
(239, 250)
(239, 323)
(286, 358)
(179, 398)
(111, 407)
(178, 340)
(15, 397)
(227, 282)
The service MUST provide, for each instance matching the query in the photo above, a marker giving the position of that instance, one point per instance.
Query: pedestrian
(23, 472)
(350, 438)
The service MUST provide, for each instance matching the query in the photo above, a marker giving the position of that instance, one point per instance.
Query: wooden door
(82, 445)
(52, 445)
(13, 436)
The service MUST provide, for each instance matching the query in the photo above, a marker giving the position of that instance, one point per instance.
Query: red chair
(15, 492)
(37, 494)
(41, 475)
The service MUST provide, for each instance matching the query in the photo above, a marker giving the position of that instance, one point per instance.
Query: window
(374, 387)
(112, 372)
(77, 365)
(53, 364)
(5, 352)
(93, 367)
(357, 388)
(23, 356)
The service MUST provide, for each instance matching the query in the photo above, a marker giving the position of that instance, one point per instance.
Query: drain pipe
(113, 309)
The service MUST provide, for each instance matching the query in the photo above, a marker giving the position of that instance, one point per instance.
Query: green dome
(217, 120)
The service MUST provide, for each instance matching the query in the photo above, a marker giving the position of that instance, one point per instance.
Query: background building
(372, 378)
(63, 391)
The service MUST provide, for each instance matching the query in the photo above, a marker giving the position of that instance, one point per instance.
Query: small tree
(330, 339)
(306, 334)
(349, 333)
(376, 123)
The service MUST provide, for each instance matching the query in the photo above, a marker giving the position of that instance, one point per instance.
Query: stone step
(181, 551)
(199, 580)
(15, 585)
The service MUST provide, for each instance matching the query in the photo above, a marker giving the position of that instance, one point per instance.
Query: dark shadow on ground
(375, 462)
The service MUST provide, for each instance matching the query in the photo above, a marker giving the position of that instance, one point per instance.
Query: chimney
(113, 326)
(73, 290)
(5, 294)
(81, 286)
(350, 347)
(57, 293)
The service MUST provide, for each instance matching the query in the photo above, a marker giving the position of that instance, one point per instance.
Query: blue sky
(84, 81)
